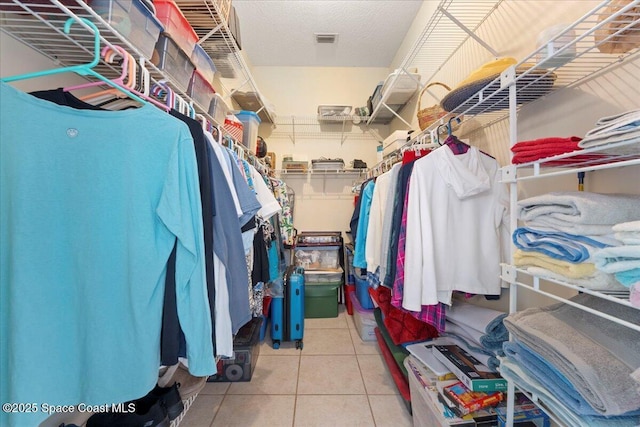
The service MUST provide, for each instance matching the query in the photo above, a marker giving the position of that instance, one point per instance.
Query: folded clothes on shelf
(563, 268)
(618, 259)
(598, 281)
(556, 244)
(594, 354)
(532, 150)
(579, 212)
(628, 232)
(617, 128)
(514, 372)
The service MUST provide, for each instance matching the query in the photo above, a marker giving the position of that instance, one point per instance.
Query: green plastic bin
(321, 300)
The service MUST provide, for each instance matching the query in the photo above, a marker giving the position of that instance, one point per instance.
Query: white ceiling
(281, 32)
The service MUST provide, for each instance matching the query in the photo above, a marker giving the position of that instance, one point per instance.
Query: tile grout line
(295, 399)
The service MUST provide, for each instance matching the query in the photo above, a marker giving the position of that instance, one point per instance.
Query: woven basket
(611, 38)
(429, 115)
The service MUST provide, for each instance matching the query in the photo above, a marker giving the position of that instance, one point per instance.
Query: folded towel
(546, 373)
(617, 258)
(512, 371)
(598, 281)
(566, 269)
(628, 232)
(622, 127)
(634, 297)
(579, 212)
(529, 151)
(594, 354)
(484, 320)
(558, 245)
(628, 277)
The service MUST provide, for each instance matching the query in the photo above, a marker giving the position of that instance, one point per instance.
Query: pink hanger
(119, 80)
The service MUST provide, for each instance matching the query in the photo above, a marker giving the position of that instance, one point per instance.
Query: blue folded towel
(628, 277)
(556, 244)
(547, 374)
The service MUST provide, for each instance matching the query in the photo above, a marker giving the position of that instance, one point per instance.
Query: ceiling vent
(326, 38)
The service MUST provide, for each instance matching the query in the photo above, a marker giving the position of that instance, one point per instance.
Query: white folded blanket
(579, 212)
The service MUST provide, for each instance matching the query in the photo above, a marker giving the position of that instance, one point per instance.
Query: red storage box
(234, 128)
(201, 90)
(176, 25)
(348, 289)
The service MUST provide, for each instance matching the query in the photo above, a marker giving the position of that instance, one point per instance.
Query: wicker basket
(609, 38)
(429, 115)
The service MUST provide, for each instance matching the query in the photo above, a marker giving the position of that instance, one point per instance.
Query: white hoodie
(457, 226)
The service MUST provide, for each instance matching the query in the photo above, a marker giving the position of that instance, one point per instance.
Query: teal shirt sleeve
(359, 259)
(180, 209)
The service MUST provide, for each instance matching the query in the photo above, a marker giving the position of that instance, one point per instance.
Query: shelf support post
(210, 33)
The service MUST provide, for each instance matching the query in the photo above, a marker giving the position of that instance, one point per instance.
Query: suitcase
(287, 313)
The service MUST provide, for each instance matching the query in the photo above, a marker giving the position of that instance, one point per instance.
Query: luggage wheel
(276, 344)
(299, 344)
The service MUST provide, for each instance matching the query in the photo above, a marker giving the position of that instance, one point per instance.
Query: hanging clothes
(456, 227)
(359, 256)
(126, 191)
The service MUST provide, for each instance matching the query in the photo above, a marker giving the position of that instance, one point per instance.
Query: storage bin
(319, 238)
(395, 141)
(234, 127)
(363, 319)
(333, 277)
(200, 89)
(204, 64)
(246, 348)
(549, 48)
(132, 20)
(176, 25)
(170, 58)
(250, 122)
(318, 257)
(348, 291)
(362, 292)
(320, 300)
(218, 109)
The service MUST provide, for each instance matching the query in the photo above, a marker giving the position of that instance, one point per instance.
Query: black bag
(261, 148)
(359, 164)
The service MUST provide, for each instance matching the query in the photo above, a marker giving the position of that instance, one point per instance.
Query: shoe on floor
(189, 384)
(170, 397)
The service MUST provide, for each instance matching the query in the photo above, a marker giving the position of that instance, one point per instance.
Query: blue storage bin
(362, 292)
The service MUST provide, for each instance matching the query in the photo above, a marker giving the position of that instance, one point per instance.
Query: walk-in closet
(319, 213)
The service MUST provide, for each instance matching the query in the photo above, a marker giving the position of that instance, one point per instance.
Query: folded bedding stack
(580, 364)
(477, 329)
(536, 149)
(623, 261)
(623, 127)
(564, 233)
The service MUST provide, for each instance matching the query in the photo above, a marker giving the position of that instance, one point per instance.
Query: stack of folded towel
(623, 261)
(530, 151)
(479, 330)
(566, 231)
(581, 363)
(624, 127)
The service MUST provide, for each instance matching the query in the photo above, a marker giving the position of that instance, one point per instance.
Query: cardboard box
(471, 372)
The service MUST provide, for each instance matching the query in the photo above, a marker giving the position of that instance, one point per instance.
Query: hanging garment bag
(287, 313)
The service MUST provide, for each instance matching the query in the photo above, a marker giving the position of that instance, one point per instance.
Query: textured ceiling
(281, 32)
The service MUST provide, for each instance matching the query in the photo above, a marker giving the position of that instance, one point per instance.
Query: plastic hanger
(131, 72)
(82, 69)
(107, 55)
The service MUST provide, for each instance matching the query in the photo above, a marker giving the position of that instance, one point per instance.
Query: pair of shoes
(178, 373)
(156, 409)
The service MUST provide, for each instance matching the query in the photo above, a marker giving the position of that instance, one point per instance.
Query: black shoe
(171, 399)
(148, 413)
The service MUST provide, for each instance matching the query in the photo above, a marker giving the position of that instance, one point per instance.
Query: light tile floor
(336, 380)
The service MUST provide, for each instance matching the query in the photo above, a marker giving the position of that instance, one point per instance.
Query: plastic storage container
(200, 89)
(333, 277)
(176, 25)
(234, 127)
(204, 64)
(363, 319)
(132, 20)
(320, 300)
(549, 52)
(362, 292)
(246, 347)
(318, 257)
(171, 59)
(250, 122)
(349, 296)
(218, 109)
